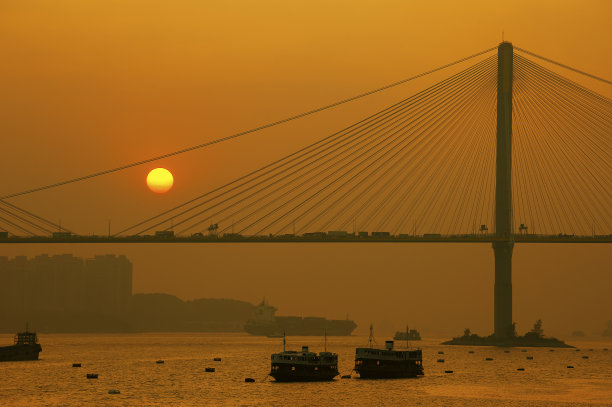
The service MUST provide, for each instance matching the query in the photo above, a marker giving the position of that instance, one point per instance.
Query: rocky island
(533, 338)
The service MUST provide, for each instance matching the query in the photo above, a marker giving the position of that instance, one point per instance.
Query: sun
(160, 180)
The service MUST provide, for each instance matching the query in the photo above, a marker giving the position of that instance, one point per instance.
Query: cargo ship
(304, 366)
(387, 363)
(25, 347)
(263, 322)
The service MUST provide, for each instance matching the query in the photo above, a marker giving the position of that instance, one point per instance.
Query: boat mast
(325, 333)
(284, 341)
(371, 339)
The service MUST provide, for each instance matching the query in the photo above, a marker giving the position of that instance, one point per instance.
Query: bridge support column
(504, 244)
(503, 289)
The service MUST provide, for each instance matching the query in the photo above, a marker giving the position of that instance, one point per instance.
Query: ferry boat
(304, 366)
(25, 347)
(372, 363)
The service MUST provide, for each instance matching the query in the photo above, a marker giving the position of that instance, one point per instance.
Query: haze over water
(128, 363)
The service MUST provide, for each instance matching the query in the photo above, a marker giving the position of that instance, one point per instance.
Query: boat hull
(285, 372)
(386, 369)
(15, 353)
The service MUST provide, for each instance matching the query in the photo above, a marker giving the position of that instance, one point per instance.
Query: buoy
(570, 367)
(114, 392)
(521, 369)
(209, 369)
(448, 371)
(346, 376)
(529, 357)
(92, 375)
(159, 362)
(217, 359)
(440, 353)
(249, 380)
(76, 365)
(440, 360)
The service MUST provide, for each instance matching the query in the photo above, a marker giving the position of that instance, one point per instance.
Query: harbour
(127, 363)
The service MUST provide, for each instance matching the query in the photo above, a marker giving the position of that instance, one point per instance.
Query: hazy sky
(89, 85)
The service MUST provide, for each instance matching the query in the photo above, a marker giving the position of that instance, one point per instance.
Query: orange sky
(89, 85)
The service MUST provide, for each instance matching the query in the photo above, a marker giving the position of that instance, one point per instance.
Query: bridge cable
(243, 133)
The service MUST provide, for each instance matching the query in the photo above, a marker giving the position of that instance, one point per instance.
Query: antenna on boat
(371, 340)
(407, 338)
(284, 341)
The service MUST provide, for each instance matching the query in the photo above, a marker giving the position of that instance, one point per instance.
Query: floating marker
(570, 367)
(489, 359)
(529, 357)
(92, 375)
(209, 369)
(159, 362)
(448, 371)
(521, 369)
(217, 359)
(440, 360)
(249, 380)
(76, 365)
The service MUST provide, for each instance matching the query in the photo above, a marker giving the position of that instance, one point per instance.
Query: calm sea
(126, 362)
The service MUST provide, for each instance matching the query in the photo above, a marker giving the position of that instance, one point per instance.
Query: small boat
(209, 369)
(76, 365)
(407, 335)
(159, 362)
(217, 359)
(249, 380)
(92, 375)
(304, 366)
(372, 363)
(25, 347)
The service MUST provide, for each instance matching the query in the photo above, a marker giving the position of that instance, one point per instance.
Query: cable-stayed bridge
(428, 168)
(504, 151)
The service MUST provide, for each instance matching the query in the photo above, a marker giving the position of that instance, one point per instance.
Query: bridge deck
(310, 239)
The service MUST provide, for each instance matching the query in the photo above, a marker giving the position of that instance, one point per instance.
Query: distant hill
(165, 312)
(146, 313)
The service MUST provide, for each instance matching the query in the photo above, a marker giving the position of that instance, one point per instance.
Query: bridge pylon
(504, 244)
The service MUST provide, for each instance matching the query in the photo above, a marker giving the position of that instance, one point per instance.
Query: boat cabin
(26, 338)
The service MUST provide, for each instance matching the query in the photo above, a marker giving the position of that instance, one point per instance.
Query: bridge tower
(504, 244)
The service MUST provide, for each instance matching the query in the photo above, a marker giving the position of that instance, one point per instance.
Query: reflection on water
(128, 363)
